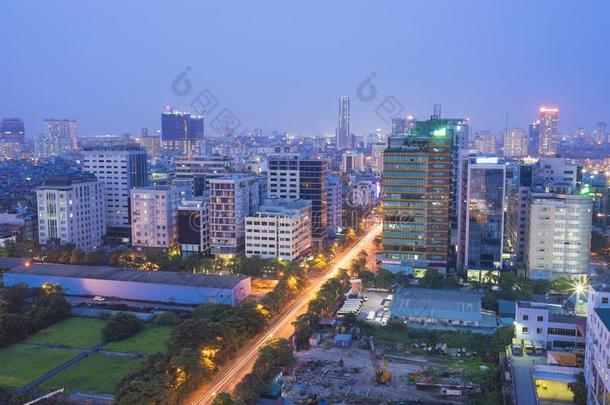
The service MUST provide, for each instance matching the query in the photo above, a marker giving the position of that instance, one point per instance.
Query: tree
(167, 319)
(579, 389)
(350, 235)
(223, 399)
(432, 279)
(121, 326)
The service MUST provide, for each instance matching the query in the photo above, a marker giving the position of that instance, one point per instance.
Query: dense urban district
(425, 263)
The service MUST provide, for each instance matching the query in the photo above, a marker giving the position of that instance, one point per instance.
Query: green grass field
(77, 333)
(149, 341)
(21, 364)
(97, 374)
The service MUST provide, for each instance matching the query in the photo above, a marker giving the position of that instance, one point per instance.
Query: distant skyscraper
(12, 130)
(534, 138)
(485, 142)
(120, 168)
(352, 162)
(549, 118)
(600, 134)
(60, 136)
(377, 157)
(343, 134)
(515, 143)
(481, 224)
(182, 132)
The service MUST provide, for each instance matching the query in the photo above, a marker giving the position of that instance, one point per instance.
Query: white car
(98, 298)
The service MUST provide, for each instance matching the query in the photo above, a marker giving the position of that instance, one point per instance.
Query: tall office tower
(10, 150)
(377, 157)
(549, 118)
(559, 238)
(154, 216)
(481, 219)
(334, 202)
(418, 169)
(485, 142)
(283, 176)
(343, 134)
(280, 229)
(193, 228)
(120, 168)
(600, 133)
(312, 173)
(515, 143)
(232, 198)
(60, 136)
(352, 162)
(12, 130)
(195, 172)
(534, 138)
(71, 210)
(558, 175)
(182, 132)
(518, 212)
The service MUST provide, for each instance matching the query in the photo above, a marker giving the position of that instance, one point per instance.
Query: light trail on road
(230, 376)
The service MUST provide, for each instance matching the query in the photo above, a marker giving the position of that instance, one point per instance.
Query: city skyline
(294, 73)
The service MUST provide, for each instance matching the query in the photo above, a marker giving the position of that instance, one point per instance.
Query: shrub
(121, 326)
(167, 319)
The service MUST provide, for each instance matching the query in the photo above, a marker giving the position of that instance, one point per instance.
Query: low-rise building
(549, 325)
(279, 229)
(136, 285)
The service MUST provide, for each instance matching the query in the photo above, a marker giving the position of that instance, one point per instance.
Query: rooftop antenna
(437, 111)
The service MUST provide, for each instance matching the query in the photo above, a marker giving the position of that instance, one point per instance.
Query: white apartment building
(120, 168)
(597, 351)
(360, 194)
(280, 229)
(71, 211)
(549, 325)
(559, 238)
(515, 143)
(559, 175)
(154, 216)
(334, 202)
(232, 199)
(352, 161)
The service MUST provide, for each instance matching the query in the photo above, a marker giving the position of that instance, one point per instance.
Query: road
(232, 373)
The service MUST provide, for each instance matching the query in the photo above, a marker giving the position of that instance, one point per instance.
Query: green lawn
(149, 341)
(97, 374)
(77, 333)
(21, 364)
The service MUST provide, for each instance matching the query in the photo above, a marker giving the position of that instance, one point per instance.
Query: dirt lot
(318, 372)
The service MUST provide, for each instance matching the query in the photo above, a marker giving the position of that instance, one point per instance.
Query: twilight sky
(282, 64)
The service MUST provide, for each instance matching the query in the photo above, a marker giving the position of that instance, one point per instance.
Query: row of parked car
(528, 346)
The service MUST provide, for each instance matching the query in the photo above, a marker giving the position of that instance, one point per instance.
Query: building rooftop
(439, 304)
(128, 275)
(67, 180)
(604, 315)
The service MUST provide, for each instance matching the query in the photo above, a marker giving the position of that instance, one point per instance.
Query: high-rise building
(533, 133)
(193, 229)
(280, 229)
(196, 171)
(352, 161)
(343, 131)
(182, 132)
(292, 176)
(518, 212)
(515, 143)
(377, 157)
(150, 143)
(334, 203)
(481, 220)
(418, 173)
(120, 168)
(71, 210)
(600, 133)
(549, 118)
(60, 136)
(559, 238)
(12, 130)
(232, 198)
(485, 142)
(558, 175)
(154, 216)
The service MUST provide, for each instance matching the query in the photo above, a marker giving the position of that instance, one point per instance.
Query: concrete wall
(135, 290)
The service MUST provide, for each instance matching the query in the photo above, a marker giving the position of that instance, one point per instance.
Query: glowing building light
(440, 132)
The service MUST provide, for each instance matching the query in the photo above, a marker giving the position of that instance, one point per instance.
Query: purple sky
(283, 64)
